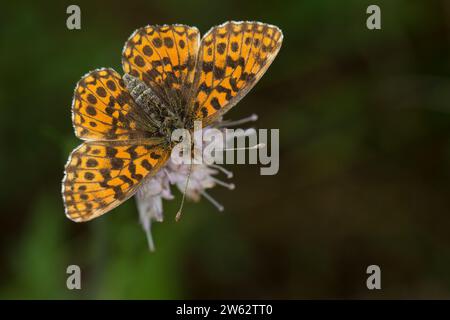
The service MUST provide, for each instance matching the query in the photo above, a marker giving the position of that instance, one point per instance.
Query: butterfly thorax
(152, 113)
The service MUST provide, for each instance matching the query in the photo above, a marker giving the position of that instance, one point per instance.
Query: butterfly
(172, 78)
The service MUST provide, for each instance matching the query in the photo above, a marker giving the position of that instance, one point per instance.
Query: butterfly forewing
(101, 175)
(232, 58)
(101, 105)
(164, 58)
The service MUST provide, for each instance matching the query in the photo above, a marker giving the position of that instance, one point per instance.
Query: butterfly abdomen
(142, 94)
(159, 116)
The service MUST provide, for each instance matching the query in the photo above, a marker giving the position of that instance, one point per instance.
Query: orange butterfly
(171, 80)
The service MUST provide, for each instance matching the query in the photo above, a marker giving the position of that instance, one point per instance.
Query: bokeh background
(364, 119)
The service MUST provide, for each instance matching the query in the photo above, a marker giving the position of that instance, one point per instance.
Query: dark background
(364, 121)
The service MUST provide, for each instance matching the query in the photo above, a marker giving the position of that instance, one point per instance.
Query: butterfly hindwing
(232, 58)
(101, 175)
(100, 107)
(164, 58)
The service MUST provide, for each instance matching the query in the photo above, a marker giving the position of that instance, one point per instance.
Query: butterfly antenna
(178, 216)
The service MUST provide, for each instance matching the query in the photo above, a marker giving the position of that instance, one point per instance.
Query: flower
(202, 176)
(149, 202)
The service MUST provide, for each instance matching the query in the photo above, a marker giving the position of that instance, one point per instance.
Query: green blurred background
(364, 119)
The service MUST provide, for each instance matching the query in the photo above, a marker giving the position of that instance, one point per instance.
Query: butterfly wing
(164, 58)
(106, 170)
(101, 108)
(232, 58)
(101, 175)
